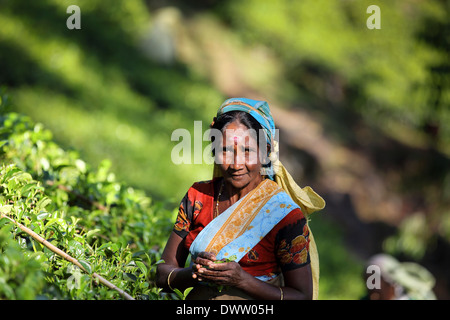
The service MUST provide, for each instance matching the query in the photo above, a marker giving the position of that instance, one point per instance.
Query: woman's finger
(207, 255)
(217, 277)
(223, 266)
(205, 258)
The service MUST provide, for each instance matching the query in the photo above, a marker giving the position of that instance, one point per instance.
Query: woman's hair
(221, 122)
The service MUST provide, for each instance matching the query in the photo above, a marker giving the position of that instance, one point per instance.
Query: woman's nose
(238, 160)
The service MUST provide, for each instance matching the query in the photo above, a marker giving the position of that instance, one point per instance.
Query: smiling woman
(251, 217)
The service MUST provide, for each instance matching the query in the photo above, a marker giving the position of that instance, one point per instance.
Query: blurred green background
(363, 114)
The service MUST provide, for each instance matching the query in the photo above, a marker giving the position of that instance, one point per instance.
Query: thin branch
(63, 254)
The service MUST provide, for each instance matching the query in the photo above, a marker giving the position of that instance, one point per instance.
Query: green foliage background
(94, 94)
(396, 77)
(113, 230)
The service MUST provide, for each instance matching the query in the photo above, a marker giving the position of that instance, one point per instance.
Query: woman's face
(238, 156)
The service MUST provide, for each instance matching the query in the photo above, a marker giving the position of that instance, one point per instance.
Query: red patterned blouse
(284, 248)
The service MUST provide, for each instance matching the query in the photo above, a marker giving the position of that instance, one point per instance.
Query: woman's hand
(207, 268)
(226, 273)
(201, 263)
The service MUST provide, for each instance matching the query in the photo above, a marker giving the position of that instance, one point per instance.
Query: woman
(245, 229)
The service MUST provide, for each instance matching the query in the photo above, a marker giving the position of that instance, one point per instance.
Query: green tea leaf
(43, 203)
(43, 215)
(142, 267)
(6, 209)
(92, 232)
(186, 292)
(10, 173)
(178, 293)
(130, 276)
(86, 266)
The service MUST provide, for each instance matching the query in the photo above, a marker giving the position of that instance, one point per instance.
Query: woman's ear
(265, 160)
(212, 123)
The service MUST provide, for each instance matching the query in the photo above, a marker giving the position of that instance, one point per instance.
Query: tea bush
(111, 229)
(21, 276)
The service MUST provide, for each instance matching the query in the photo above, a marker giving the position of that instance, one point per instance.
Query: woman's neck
(235, 194)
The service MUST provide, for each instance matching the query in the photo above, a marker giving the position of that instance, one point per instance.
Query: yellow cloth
(309, 201)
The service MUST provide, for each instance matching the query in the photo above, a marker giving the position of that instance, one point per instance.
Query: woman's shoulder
(294, 222)
(202, 189)
(294, 216)
(203, 183)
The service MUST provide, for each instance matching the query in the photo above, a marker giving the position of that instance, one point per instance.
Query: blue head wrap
(257, 109)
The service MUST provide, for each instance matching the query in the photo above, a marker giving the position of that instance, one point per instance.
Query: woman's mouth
(237, 176)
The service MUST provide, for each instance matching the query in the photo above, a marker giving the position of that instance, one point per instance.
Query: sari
(239, 228)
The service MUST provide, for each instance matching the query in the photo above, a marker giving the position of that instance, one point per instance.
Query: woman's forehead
(239, 136)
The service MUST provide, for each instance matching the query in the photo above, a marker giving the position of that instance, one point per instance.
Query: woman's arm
(298, 282)
(298, 286)
(174, 256)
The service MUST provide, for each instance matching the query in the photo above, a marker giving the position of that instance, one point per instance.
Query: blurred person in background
(394, 280)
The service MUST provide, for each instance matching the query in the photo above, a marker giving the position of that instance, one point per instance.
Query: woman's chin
(238, 181)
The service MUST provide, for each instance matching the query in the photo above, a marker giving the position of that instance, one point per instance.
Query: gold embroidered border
(236, 224)
(255, 212)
